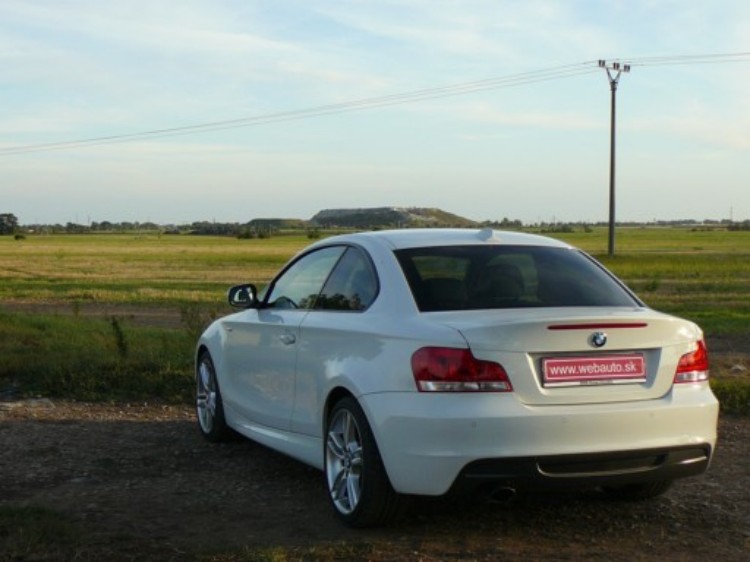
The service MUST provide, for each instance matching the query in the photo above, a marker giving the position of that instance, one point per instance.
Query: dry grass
(135, 269)
(702, 275)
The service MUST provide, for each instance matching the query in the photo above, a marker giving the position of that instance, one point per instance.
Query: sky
(535, 146)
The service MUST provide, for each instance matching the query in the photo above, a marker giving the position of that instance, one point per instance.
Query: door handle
(287, 339)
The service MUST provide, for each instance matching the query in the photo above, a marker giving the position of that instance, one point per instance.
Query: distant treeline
(254, 229)
(264, 228)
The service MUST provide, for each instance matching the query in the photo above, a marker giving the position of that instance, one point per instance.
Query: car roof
(432, 237)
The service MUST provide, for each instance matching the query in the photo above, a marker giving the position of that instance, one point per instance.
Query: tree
(8, 223)
(73, 228)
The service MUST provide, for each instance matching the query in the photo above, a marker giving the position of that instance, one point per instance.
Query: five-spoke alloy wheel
(358, 485)
(344, 461)
(208, 405)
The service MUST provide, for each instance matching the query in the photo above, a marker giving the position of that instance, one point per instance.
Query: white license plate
(603, 369)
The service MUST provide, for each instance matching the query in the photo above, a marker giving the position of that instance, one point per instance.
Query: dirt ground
(140, 483)
(143, 485)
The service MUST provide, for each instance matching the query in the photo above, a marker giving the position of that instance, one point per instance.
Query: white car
(428, 361)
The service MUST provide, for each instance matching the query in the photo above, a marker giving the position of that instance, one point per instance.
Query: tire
(357, 484)
(209, 408)
(639, 491)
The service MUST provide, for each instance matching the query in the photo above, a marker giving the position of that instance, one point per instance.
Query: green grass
(711, 289)
(733, 394)
(700, 275)
(660, 240)
(95, 359)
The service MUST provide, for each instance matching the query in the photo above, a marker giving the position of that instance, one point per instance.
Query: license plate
(605, 369)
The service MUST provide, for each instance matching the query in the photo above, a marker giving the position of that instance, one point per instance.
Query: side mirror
(243, 296)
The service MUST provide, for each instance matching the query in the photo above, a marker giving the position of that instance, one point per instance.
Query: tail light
(446, 369)
(693, 366)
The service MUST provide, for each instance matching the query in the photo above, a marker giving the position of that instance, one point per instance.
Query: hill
(389, 217)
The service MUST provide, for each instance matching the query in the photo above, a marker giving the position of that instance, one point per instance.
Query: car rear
(565, 376)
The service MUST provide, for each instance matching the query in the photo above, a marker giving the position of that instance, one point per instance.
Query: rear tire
(358, 486)
(209, 408)
(639, 491)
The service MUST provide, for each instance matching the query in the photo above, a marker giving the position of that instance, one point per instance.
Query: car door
(334, 336)
(261, 344)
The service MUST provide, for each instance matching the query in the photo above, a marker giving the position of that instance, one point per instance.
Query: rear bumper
(613, 468)
(430, 443)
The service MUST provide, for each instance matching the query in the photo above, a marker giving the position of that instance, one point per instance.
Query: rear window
(481, 277)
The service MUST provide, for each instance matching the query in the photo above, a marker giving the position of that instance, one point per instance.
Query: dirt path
(142, 484)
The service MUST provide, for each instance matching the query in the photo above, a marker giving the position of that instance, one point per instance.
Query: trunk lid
(579, 355)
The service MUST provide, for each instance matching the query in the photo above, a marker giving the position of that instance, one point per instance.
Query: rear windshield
(479, 277)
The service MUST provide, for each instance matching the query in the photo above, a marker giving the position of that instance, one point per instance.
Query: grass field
(144, 269)
(700, 275)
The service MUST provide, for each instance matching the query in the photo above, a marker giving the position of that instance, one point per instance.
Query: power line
(554, 73)
(714, 58)
(465, 88)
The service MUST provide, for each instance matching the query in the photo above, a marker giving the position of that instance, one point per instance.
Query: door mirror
(243, 296)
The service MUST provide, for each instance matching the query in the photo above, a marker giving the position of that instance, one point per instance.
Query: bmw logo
(598, 339)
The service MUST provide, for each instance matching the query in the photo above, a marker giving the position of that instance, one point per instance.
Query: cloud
(163, 67)
(512, 33)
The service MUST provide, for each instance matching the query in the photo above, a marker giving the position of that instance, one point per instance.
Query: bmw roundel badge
(598, 339)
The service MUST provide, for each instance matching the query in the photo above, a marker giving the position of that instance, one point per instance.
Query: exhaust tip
(501, 495)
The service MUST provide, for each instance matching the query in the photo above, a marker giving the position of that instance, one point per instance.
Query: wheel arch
(211, 344)
(336, 394)
(200, 350)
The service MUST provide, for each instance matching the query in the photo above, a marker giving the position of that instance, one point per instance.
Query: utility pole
(613, 80)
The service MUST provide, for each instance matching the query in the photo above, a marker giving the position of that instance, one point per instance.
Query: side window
(351, 286)
(299, 286)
